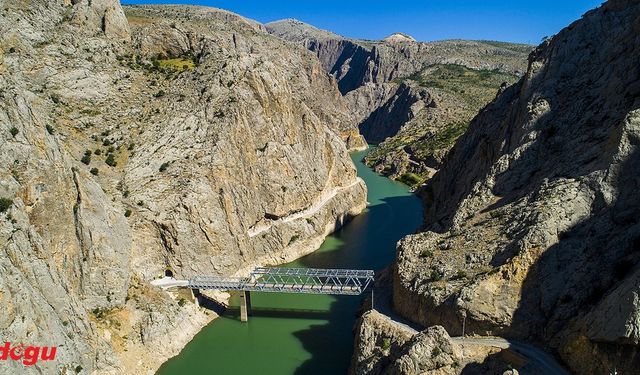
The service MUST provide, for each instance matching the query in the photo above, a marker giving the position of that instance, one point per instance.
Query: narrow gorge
(492, 186)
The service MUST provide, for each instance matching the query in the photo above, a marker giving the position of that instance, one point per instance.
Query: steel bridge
(287, 280)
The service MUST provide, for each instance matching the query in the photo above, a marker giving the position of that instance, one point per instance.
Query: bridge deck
(291, 280)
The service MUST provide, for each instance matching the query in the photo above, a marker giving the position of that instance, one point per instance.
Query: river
(307, 334)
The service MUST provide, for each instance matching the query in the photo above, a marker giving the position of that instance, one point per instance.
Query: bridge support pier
(245, 306)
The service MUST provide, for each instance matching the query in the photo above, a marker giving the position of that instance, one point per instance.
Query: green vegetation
(459, 93)
(99, 313)
(111, 160)
(178, 64)
(386, 344)
(5, 204)
(411, 179)
(163, 166)
(426, 254)
(14, 131)
(182, 302)
(436, 351)
(515, 47)
(435, 275)
(127, 213)
(441, 140)
(50, 129)
(94, 171)
(159, 94)
(86, 158)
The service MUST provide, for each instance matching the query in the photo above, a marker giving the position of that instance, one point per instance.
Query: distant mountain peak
(399, 37)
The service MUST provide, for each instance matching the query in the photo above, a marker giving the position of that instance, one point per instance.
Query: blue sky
(506, 20)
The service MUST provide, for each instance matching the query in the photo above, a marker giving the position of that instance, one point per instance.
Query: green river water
(307, 334)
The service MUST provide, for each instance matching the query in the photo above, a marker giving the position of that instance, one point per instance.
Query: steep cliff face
(184, 138)
(357, 62)
(412, 98)
(532, 223)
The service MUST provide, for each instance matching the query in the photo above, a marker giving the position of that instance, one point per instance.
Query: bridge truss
(291, 280)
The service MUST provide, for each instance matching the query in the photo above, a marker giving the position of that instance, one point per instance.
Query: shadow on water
(372, 239)
(280, 313)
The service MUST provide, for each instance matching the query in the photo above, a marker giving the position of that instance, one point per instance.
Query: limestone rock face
(460, 77)
(532, 221)
(387, 119)
(385, 348)
(179, 138)
(398, 38)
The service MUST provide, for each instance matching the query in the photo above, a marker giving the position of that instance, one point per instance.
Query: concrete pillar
(245, 306)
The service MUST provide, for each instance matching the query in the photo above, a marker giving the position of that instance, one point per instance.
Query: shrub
(94, 171)
(410, 179)
(14, 131)
(163, 167)
(50, 129)
(106, 142)
(12, 50)
(426, 254)
(98, 151)
(159, 94)
(182, 302)
(127, 213)
(111, 160)
(436, 351)
(435, 275)
(86, 159)
(125, 194)
(5, 203)
(140, 203)
(131, 146)
(78, 369)
(55, 98)
(386, 344)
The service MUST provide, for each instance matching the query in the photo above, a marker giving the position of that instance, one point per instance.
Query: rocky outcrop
(398, 38)
(186, 139)
(387, 119)
(383, 347)
(532, 221)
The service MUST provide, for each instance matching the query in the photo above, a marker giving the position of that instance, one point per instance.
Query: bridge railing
(291, 280)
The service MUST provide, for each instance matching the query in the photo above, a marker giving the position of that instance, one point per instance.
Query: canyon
(531, 226)
(139, 141)
(149, 140)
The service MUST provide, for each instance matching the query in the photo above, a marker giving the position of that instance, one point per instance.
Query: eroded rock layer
(179, 138)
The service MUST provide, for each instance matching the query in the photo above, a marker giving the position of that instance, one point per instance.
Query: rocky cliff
(532, 223)
(412, 98)
(179, 138)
